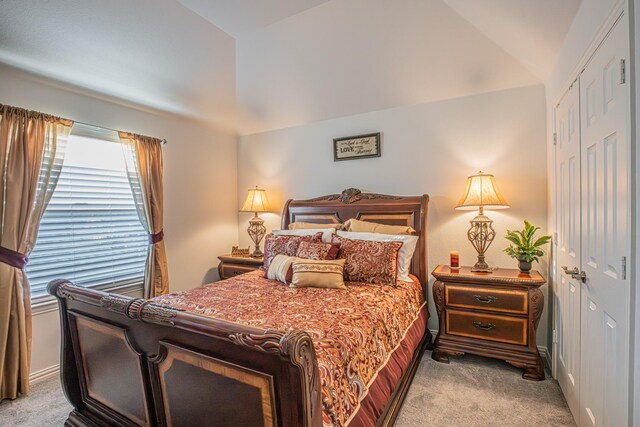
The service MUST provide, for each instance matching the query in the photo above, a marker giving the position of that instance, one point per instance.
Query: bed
(247, 351)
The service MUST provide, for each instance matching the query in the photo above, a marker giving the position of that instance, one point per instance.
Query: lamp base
(257, 253)
(481, 235)
(256, 231)
(481, 266)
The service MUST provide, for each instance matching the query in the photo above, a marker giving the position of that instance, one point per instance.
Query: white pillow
(326, 233)
(405, 254)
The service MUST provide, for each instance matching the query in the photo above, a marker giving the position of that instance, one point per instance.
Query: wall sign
(357, 147)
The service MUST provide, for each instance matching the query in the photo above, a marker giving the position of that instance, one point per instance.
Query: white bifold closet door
(606, 295)
(593, 306)
(568, 289)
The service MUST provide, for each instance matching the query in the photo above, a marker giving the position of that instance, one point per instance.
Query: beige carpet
(474, 391)
(469, 392)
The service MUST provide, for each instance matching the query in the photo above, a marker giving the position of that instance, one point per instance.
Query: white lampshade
(481, 191)
(256, 201)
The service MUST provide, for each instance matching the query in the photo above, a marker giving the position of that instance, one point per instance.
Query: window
(90, 232)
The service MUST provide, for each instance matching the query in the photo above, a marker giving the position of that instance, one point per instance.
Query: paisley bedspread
(354, 331)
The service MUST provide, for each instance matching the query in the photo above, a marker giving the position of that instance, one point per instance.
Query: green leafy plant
(525, 246)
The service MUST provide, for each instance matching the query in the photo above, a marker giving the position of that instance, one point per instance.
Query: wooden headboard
(381, 208)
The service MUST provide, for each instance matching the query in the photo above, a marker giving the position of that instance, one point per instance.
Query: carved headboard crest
(352, 195)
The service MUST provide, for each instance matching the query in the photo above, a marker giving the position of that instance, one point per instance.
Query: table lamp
(255, 202)
(481, 193)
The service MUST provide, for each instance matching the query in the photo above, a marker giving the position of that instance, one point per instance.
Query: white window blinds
(90, 232)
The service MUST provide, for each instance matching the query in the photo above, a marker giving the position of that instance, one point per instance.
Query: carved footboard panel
(129, 362)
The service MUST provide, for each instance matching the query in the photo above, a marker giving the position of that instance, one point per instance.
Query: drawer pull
(486, 300)
(487, 327)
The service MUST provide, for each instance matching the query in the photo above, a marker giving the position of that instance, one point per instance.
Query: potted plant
(525, 246)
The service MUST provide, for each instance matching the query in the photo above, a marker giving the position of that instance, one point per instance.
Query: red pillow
(284, 245)
(318, 250)
(369, 261)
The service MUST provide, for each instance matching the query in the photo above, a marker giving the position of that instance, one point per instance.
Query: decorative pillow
(307, 225)
(280, 268)
(308, 273)
(326, 232)
(374, 227)
(369, 261)
(310, 250)
(284, 245)
(405, 255)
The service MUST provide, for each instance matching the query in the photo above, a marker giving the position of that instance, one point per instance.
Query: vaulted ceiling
(530, 31)
(156, 53)
(241, 17)
(334, 61)
(180, 55)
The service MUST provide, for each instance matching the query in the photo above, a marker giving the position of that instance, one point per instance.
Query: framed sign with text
(357, 147)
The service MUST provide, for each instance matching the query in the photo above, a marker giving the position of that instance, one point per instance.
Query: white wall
(199, 182)
(635, 114)
(353, 56)
(428, 148)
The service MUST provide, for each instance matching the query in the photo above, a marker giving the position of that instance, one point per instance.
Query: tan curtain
(31, 154)
(143, 157)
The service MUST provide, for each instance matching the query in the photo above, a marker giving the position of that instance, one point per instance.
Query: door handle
(575, 274)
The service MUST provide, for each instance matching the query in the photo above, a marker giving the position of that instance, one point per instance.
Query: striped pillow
(310, 273)
(280, 268)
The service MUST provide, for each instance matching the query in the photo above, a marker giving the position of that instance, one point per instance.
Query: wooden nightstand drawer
(506, 329)
(234, 270)
(511, 301)
(231, 266)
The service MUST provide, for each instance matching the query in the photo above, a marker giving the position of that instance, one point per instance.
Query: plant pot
(525, 267)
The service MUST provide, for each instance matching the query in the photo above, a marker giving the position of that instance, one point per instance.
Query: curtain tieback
(156, 238)
(13, 258)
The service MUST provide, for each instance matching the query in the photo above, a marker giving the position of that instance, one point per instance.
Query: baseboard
(44, 374)
(546, 356)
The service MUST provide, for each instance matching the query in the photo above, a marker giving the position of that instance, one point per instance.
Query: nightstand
(489, 314)
(231, 266)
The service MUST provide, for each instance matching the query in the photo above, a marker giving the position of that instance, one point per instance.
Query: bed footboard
(130, 362)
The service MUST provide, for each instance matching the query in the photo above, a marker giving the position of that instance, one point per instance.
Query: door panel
(569, 244)
(605, 237)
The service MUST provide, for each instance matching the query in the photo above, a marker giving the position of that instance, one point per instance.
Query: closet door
(605, 168)
(568, 203)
